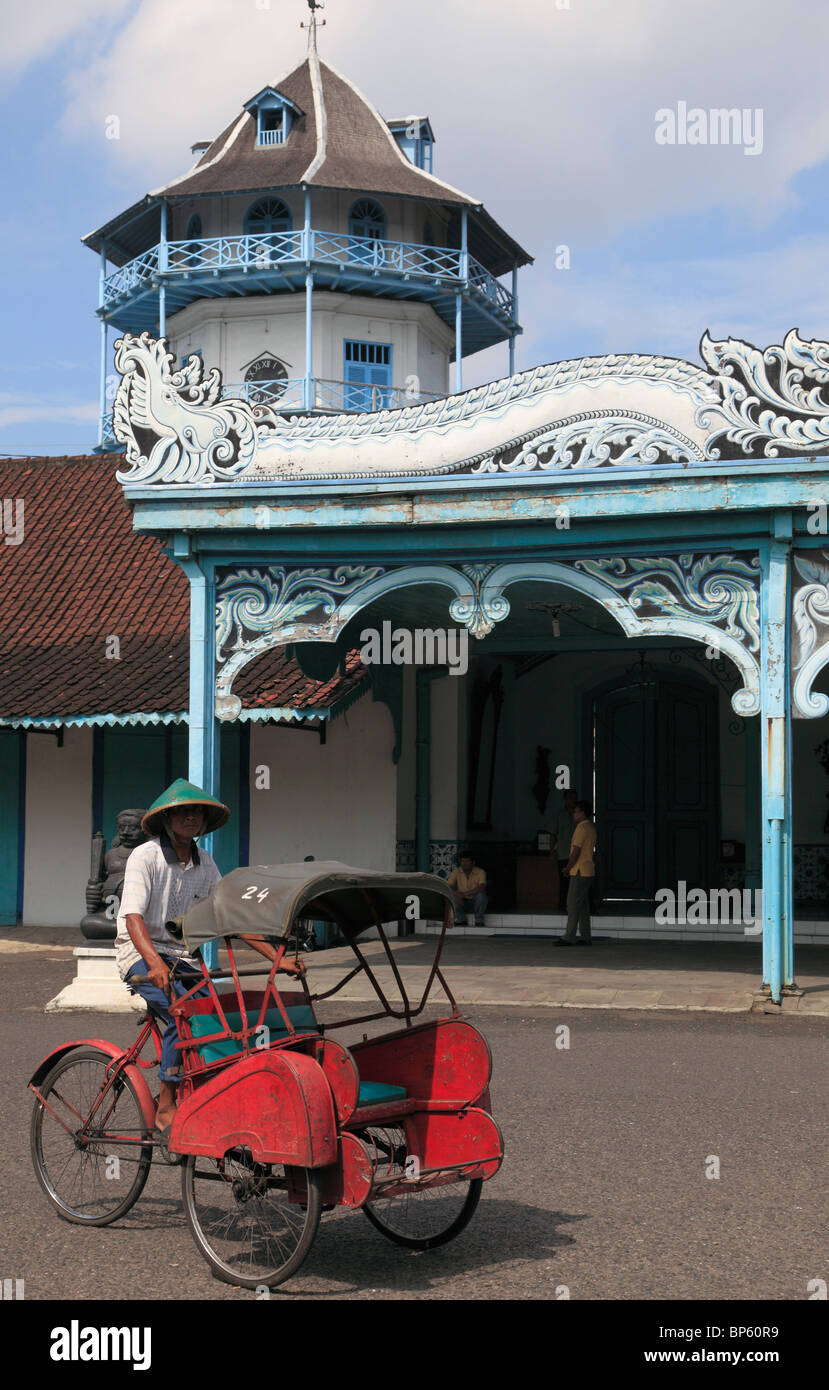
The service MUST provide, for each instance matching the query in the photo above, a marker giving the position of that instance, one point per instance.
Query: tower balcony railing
(193, 269)
(320, 393)
(305, 396)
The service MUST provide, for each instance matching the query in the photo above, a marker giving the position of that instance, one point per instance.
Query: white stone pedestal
(97, 985)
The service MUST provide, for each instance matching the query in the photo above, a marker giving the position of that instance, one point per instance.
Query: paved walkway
(611, 974)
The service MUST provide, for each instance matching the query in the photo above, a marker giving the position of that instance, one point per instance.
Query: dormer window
(274, 115)
(271, 126)
(416, 139)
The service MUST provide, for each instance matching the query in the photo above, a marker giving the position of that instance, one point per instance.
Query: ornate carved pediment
(708, 599)
(597, 413)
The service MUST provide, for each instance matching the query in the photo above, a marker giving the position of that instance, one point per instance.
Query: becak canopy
(266, 899)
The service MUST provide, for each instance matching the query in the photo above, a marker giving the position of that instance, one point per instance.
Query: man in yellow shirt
(582, 871)
(469, 885)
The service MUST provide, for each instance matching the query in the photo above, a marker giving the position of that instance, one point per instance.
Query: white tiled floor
(627, 928)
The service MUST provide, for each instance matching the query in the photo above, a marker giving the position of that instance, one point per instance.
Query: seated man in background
(469, 887)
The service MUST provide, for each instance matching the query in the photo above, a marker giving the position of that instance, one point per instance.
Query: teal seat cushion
(378, 1093)
(202, 1025)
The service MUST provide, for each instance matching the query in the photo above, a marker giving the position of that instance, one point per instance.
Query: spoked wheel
(425, 1217)
(253, 1222)
(91, 1178)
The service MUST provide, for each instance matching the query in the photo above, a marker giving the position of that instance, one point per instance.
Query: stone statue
(106, 879)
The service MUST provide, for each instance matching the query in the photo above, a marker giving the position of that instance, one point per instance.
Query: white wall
(335, 800)
(231, 333)
(58, 828)
(330, 210)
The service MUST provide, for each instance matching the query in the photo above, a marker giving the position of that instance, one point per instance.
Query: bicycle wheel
(424, 1217)
(90, 1177)
(243, 1219)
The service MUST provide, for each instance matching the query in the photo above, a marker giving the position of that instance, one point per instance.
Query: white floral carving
(595, 440)
(721, 590)
(185, 433)
(810, 611)
(765, 396)
(177, 429)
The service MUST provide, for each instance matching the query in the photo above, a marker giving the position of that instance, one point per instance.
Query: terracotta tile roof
(82, 575)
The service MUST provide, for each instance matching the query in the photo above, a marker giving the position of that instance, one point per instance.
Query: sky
(564, 117)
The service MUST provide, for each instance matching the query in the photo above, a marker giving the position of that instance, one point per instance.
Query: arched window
(368, 219)
(367, 225)
(272, 375)
(267, 216)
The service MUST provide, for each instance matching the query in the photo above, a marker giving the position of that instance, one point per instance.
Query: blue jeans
(479, 903)
(171, 1067)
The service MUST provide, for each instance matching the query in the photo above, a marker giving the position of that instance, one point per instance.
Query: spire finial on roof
(313, 6)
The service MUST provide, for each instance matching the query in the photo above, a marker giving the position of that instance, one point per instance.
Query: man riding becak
(164, 878)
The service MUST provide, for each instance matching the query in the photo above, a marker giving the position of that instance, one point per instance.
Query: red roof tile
(82, 576)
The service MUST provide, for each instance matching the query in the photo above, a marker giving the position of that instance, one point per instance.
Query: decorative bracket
(709, 599)
(810, 635)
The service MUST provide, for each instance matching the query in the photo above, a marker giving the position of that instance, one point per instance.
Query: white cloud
(664, 306)
(548, 115)
(32, 32)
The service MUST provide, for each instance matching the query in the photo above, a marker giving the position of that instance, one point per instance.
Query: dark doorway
(653, 757)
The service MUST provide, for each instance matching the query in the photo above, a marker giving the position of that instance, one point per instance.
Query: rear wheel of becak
(253, 1222)
(421, 1218)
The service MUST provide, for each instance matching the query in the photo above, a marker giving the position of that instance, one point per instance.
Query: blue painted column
(775, 760)
(163, 262)
(515, 318)
(464, 273)
(101, 298)
(308, 390)
(203, 760)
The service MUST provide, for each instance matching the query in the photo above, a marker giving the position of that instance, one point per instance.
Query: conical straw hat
(181, 793)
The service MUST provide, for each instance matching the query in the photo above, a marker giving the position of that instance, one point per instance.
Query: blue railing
(444, 268)
(324, 394)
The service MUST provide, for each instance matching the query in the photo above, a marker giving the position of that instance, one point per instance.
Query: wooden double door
(654, 753)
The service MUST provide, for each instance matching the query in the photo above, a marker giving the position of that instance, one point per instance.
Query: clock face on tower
(272, 375)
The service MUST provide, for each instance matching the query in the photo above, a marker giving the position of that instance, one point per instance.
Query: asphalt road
(603, 1189)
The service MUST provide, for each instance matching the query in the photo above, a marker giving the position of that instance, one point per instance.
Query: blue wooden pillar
(12, 824)
(775, 761)
(307, 237)
(515, 318)
(163, 261)
(101, 302)
(203, 759)
(464, 275)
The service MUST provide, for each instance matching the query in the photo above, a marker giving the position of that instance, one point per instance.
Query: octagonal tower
(312, 254)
